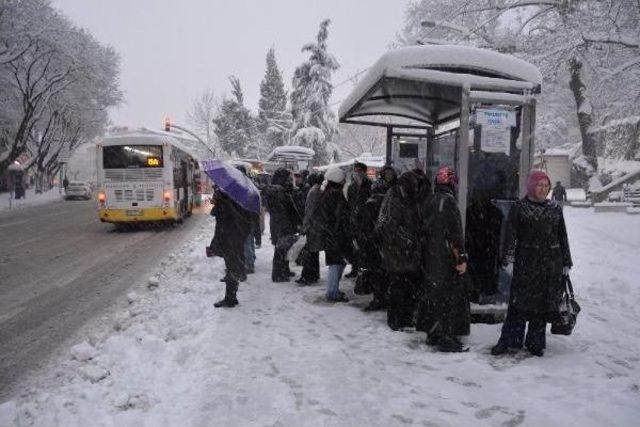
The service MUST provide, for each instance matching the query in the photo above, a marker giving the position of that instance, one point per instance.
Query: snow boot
(448, 344)
(226, 302)
(375, 305)
(536, 351)
(499, 348)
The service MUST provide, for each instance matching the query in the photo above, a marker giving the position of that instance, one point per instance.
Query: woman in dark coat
(537, 251)
(283, 218)
(444, 307)
(329, 230)
(311, 259)
(399, 229)
(233, 226)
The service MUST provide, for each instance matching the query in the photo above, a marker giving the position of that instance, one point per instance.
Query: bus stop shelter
(426, 92)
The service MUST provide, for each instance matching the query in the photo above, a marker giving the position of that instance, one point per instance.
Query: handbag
(568, 313)
(363, 283)
(294, 250)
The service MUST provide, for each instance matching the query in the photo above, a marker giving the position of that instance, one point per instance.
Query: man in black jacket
(283, 218)
(358, 193)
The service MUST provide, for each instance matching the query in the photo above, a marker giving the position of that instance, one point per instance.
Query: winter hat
(333, 175)
(446, 176)
(535, 176)
(280, 176)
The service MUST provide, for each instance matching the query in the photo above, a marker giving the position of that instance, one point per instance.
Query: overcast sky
(172, 51)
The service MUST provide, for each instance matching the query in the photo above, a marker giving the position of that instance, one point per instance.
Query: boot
(230, 303)
(499, 348)
(448, 344)
(375, 305)
(536, 351)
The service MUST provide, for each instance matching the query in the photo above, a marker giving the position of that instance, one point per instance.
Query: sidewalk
(284, 357)
(31, 199)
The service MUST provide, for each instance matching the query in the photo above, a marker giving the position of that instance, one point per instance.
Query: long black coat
(444, 302)
(399, 229)
(283, 215)
(370, 256)
(357, 196)
(537, 243)
(233, 226)
(329, 228)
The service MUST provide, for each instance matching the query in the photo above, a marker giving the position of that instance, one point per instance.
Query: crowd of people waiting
(404, 240)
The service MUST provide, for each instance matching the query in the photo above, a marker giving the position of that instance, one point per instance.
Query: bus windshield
(132, 156)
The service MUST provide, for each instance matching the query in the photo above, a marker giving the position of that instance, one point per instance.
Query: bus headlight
(102, 198)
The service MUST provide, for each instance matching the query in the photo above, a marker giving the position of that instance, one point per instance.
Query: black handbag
(568, 313)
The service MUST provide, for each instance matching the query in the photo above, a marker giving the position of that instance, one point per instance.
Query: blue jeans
(333, 280)
(249, 253)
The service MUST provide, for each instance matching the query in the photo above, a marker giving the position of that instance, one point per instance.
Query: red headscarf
(535, 176)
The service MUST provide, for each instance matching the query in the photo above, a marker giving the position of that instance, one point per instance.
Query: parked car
(78, 190)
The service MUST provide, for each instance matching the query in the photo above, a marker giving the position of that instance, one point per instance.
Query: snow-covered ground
(31, 199)
(284, 357)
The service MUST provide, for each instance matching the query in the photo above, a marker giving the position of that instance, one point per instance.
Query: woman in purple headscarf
(537, 254)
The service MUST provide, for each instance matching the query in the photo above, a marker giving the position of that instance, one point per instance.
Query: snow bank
(284, 357)
(31, 199)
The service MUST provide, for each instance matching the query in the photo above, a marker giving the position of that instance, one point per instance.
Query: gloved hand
(566, 270)
(508, 268)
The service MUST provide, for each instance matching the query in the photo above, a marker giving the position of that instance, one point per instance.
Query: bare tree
(200, 117)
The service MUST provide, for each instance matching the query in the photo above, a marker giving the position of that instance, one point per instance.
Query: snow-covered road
(284, 357)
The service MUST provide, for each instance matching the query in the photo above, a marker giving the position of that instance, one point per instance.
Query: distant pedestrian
(538, 256)
(65, 183)
(444, 307)
(233, 225)
(559, 194)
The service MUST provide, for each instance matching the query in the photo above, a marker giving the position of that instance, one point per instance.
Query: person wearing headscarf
(538, 255)
(444, 306)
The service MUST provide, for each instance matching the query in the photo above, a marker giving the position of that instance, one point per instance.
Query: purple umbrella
(234, 184)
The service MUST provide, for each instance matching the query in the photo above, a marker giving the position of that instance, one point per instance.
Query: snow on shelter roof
(423, 84)
(291, 152)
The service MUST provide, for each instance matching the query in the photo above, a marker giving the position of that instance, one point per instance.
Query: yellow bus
(144, 176)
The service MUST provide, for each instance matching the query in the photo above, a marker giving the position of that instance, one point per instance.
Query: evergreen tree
(274, 120)
(314, 124)
(235, 127)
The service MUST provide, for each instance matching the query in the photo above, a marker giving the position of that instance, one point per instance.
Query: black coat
(444, 304)
(442, 227)
(537, 243)
(283, 215)
(233, 226)
(369, 255)
(357, 196)
(329, 228)
(399, 229)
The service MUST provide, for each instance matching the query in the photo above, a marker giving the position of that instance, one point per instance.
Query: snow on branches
(56, 83)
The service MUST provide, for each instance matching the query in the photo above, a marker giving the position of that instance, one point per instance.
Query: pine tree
(235, 127)
(274, 120)
(314, 124)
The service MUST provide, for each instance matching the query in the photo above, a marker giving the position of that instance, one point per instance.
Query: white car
(78, 190)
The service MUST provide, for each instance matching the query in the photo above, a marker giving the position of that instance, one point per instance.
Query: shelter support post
(528, 146)
(463, 154)
(430, 160)
(387, 160)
